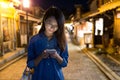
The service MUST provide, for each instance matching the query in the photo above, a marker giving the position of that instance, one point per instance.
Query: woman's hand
(54, 55)
(44, 54)
(57, 57)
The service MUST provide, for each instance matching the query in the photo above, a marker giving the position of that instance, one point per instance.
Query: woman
(48, 64)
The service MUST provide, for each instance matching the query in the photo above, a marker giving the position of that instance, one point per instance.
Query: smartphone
(50, 51)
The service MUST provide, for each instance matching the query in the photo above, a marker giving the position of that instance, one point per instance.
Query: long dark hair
(60, 33)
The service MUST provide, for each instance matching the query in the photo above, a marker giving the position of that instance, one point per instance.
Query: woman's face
(51, 25)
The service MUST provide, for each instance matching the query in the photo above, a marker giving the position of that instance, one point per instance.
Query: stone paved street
(14, 71)
(80, 67)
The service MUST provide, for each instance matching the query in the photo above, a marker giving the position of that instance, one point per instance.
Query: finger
(45, 51)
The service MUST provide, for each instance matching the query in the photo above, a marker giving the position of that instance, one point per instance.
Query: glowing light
(99, 26)
(6, 4)
(118, 15)
(26, 3)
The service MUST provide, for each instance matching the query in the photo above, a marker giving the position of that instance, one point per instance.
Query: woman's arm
(37, 60)
(64, 55)
(62, 58)
(40, 57)
(59, 59)
(33, 60)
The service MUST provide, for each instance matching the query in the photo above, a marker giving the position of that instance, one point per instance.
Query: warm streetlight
(118, 13)
(26, 5)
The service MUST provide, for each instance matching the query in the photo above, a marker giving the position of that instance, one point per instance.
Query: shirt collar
(42, 34)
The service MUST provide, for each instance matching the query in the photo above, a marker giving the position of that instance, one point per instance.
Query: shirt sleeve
(31, 55)
(65, 56)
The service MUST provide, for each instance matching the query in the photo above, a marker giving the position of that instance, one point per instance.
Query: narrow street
(14, 71)
(80, 67)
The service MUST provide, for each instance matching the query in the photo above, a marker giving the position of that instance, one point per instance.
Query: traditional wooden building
(8, 25)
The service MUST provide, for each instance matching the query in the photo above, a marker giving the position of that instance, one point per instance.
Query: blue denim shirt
(49, 68)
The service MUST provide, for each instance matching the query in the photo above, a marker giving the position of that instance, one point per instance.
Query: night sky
(67, 6)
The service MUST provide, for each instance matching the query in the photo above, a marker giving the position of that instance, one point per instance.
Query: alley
(80, 67)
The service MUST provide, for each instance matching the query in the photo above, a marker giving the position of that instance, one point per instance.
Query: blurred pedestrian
(47, 50)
